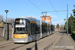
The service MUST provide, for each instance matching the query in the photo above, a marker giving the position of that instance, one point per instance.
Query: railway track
(32, 45)
(25, 45)
(4, 45)
(17, 47)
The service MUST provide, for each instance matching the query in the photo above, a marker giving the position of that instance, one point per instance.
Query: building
(46, 18)
(3, 30)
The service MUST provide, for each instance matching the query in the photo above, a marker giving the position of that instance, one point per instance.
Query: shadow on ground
(36, 47)
(62, 32)
(28, 48)
(73, 37)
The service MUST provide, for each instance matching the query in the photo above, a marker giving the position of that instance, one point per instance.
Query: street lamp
(6, 25)
(65, 24)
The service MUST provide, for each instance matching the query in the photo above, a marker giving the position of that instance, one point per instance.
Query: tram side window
(32, 29)
(36, 29)
(27, 25)
(49, 29)
(53, 28)
(43, 28)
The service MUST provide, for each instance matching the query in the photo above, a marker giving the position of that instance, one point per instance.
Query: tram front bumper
(24, 40)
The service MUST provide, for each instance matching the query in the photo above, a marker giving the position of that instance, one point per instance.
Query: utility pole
(6, 26)
(41, 24)
(67, 19)
(40, 29)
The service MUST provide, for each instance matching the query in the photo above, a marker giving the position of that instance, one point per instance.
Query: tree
(57, 26)
(61, 27)
(1, 18)
(10, 20)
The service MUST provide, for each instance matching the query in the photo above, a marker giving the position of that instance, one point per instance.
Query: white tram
(29, 29)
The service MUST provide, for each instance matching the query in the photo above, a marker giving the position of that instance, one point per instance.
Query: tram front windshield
(20, 26)
(20, 21)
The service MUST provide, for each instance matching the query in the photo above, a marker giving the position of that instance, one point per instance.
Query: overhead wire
(35, 5)
(47, 11)
(53, 8)
(57, 11)
(52, 5)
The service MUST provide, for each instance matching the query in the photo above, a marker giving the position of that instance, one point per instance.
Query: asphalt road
(42, 44)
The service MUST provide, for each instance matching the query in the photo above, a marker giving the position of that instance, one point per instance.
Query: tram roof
(34, 19)
(49, 23)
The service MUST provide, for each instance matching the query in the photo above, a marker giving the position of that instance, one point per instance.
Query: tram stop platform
(66, 42)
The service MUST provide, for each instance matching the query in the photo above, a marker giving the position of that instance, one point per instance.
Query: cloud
(54, 16)
(59, 22)
(49, 14)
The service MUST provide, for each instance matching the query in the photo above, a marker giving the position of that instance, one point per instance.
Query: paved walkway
(66, 42)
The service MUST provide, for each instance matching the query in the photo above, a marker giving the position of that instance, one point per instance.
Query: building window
(45, 18)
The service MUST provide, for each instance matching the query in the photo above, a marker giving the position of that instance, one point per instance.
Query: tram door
(33, 26)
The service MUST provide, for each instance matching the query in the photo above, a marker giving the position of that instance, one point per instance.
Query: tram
(29, 29)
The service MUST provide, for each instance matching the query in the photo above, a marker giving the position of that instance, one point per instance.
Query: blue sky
(18, 8)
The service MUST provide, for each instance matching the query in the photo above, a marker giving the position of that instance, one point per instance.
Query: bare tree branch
(1, 17)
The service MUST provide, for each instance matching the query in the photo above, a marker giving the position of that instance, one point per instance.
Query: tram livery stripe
(20, 36)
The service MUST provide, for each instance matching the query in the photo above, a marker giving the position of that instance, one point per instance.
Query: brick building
(46, 18)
